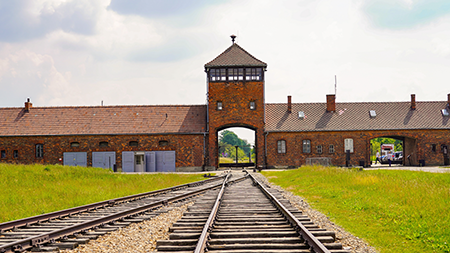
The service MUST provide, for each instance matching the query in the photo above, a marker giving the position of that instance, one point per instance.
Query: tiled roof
(102, 120)
(235, 56)
(355, 116)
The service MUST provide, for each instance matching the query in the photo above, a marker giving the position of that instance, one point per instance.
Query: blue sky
(82, 52)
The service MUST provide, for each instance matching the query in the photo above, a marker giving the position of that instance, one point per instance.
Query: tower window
(39, 150)
(252, 105)
(235, 74)
(281, 146)
(219, 106)
(253, 74)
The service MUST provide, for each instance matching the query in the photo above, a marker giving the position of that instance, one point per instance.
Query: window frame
(252, 105)
(306, 146)
(331, 149)
(319, 149)
(74, 144)
(133, 143)
(39, 150)
(163, 143)
(281, 147)
(219, 106)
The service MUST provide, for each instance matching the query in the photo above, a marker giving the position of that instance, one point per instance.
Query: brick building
(185, 137)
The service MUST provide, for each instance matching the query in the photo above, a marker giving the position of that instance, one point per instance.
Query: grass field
(389, 209)
(28, 190)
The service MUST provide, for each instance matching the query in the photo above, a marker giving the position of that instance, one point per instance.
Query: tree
(227, 142)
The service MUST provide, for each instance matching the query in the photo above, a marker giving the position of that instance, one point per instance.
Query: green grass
(389, 209)
(28, 190)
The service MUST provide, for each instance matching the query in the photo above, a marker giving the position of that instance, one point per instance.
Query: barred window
(39, 150)
(133, 143)
(307, 146)
(163, 143)
(319, 149)
(219, 106)
(281, 146)
(331, 149)
(252, 105)
(3, 154)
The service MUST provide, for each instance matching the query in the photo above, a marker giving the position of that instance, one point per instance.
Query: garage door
(105, 160)
(75, 158)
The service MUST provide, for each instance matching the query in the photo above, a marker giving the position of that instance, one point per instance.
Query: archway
(236, 146)
(393, 150)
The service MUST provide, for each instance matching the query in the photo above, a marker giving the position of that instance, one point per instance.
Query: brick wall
(188, 147)
(418, 143)
(236, 112)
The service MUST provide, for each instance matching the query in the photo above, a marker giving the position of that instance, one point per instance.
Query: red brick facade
(188, 147)
(235, 98)
(417, 143)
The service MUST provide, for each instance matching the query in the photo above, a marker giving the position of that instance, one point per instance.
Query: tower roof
(235, 56)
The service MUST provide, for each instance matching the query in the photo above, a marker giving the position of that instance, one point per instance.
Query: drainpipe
(265, 150)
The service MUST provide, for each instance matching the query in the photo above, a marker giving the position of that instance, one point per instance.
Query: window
(235, 74)
(103, 144)
(74, 144)
(433, 147)
(219, 106)
(163, 143)
(39, 150)
(253, 74)
(331, 149)
(252, 105)
(307, 146)
(372, 113)
(301, 115)
(348, 144)
(16, 154)
(3, 154)
(133, 143)
(281, 146)
(319, 149)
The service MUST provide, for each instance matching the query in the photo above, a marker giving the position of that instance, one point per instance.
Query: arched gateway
(235, 98)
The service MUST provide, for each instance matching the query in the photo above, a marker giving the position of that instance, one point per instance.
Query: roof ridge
(98, 106)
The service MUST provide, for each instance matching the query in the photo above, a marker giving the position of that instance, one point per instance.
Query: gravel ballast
(142, 237)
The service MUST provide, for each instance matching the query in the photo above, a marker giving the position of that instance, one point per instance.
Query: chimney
(413, 101)
(448, 100)
(28, 105)
(289, 108)
(331, 103)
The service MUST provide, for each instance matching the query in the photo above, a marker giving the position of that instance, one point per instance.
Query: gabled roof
(97, 120)
(355, 116)
(235, 56)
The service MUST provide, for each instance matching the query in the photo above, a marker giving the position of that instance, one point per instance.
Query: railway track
(67, 228)
(246, 216)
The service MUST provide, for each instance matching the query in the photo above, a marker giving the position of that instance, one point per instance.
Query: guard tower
(235, 98)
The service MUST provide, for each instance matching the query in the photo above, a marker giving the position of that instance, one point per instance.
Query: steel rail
(201, 244)
(309, 238)
(35, 241)
(75, 210)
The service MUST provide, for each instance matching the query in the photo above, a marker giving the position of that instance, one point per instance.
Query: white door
(128, 161)
(75, 158)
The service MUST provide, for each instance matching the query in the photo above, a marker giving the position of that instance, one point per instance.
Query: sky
(152, 52)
